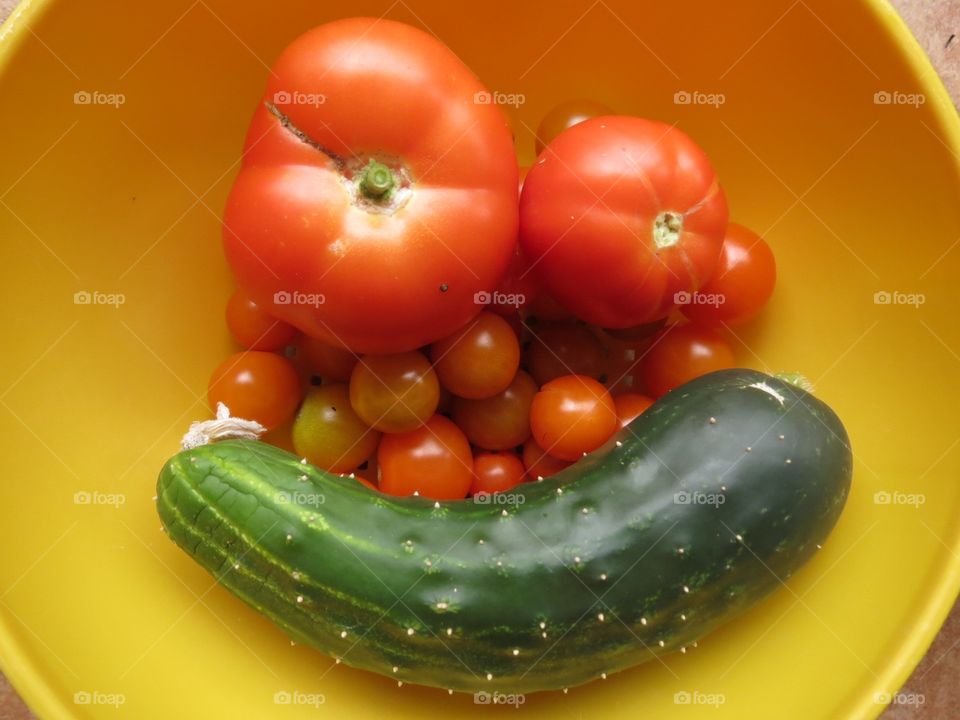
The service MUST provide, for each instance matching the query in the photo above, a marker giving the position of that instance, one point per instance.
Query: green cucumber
(701, 507)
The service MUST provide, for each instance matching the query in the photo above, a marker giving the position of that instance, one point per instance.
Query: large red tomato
(618, 216)
(377, 199)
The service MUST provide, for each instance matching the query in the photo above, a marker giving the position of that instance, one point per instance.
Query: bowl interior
(857, 196)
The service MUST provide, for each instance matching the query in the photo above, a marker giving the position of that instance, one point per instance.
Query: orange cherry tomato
(630, 406)
(496, 472)
(252, 327)
(333, 364)
(480, 359)
(538, 463)
(394, 393)
(434, 460)
(571, 416)
(683, 353)
(500, 422)
(257, 386)
(740, 286)
(329, 433)
(566, 115)
(564, 349)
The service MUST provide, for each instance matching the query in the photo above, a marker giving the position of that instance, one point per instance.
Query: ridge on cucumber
(702, 506)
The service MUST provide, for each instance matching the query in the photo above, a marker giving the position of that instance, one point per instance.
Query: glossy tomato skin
(256, 385)
(657, 232)
(434, 460)
(500, 422)
(385, 275)
(741, 285)
(571, 416)
(496, 472)
(252, 327)
(480, 359)
(682, 353)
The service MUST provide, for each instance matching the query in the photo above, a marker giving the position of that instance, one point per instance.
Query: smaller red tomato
(257, 386)
(394, 393)
(571, 416)
(566, 115)
(253, 327)
(480, 359)
(496, 472)
(741, 284)
(630, 406)
(333, 364)
(564, 349)
(538, 463)
(434, 460)
(500, 422)
(683, 353)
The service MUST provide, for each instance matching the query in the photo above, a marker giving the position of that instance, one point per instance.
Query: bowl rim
(42, 697)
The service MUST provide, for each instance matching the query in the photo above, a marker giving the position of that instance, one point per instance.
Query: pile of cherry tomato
(520, 392)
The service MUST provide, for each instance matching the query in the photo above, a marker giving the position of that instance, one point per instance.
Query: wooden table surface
(936, 23)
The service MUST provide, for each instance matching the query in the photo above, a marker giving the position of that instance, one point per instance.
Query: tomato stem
(667, 228)
(376, 180)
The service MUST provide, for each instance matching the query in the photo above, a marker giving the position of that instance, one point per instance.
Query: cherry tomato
(257, 386)
(394, 393)
(568, 349)
(333, 364)
(328, 432)
(565, 116)
(373, 217)
(682, 353)
(572, 415)
(480, 359)
(500, 422)
(252, 327)
(630, 406)
(657, 232)
(433, 460)
(538, 463)
(741, 284)
(496, 472)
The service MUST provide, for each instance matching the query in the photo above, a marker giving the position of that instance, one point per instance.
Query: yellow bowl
(122, 128)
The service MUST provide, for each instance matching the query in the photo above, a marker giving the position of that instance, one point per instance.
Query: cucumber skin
(609, 535)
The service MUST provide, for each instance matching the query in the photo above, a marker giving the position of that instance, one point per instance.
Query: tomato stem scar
(667, 228)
